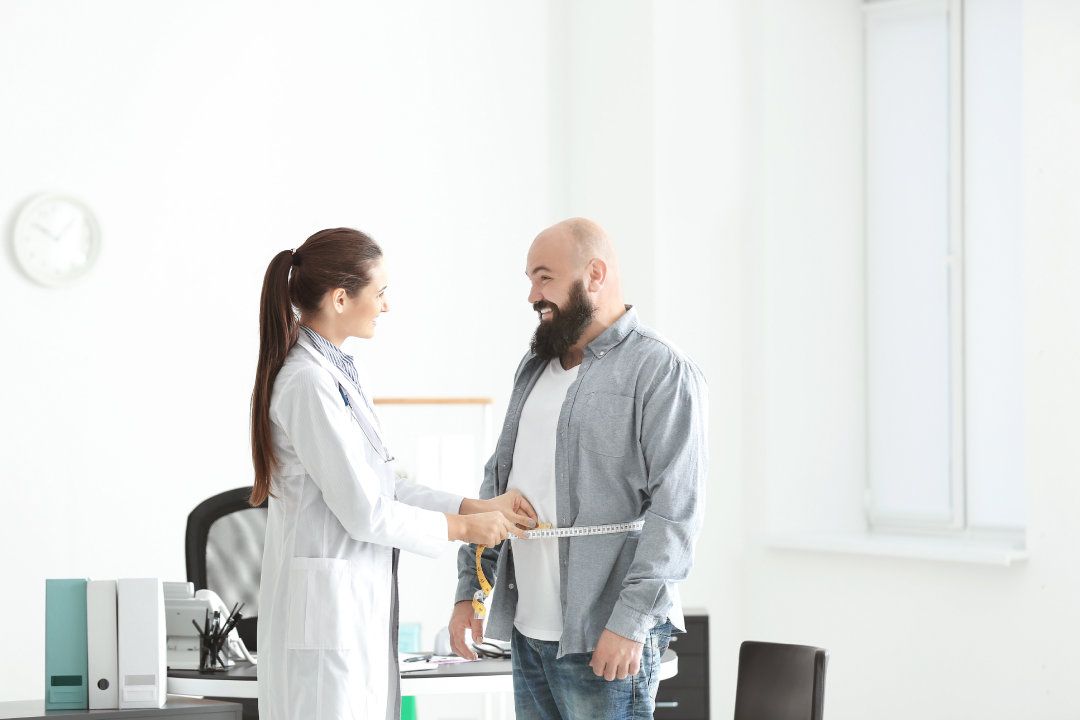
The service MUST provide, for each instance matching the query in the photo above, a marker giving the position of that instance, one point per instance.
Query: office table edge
(182, 707)
(441, 681)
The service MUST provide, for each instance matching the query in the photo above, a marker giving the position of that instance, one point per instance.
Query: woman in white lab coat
(337, 511)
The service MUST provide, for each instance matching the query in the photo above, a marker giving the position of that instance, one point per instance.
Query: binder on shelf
(65, 645)
(140, 605)
(101, 644)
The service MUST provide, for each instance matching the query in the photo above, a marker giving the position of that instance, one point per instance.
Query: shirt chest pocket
(607, 424)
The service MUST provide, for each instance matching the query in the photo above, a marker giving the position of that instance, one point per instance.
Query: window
(944, 266)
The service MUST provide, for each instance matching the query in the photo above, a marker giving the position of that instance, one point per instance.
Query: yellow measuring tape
(480, 595)
(479, 609)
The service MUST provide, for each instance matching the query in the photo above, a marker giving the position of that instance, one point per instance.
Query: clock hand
(42, 229)
(63, 232)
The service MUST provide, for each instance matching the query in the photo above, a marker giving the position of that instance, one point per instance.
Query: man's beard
(554, 338)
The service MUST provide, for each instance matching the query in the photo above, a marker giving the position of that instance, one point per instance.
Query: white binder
(141, 642)
(101, 644)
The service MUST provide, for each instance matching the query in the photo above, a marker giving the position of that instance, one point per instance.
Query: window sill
(978, 551)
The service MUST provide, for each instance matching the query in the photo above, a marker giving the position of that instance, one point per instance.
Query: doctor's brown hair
(298, 280)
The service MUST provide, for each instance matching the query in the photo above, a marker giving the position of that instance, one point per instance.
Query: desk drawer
(681, 704)
(693, 641)
(691, 673)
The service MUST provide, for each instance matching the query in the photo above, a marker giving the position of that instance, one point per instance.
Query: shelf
(978, 551)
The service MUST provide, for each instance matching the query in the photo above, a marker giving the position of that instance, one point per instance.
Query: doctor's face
(362, 312)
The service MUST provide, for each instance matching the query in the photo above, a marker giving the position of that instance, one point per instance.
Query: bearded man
(607, 424)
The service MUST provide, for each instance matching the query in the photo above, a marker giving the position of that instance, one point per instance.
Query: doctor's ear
(337, 299)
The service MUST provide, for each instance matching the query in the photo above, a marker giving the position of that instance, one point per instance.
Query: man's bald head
(576, 287)
(588, 240)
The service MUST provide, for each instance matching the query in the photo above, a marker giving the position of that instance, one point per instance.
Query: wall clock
(57, 240)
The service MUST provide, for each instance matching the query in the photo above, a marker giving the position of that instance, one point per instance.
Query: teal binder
(65, 645)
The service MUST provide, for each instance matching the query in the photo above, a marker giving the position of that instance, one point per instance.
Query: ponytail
(336, 258)
(278, 330)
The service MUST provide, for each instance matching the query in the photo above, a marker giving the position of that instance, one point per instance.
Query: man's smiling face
(550, 269)
(557, 294)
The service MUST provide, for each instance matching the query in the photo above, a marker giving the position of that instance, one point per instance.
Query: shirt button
(511, 586)
(601, 353)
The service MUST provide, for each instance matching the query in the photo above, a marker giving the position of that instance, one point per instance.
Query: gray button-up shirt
(632, 442)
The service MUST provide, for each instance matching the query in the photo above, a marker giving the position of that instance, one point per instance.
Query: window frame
(958, 522)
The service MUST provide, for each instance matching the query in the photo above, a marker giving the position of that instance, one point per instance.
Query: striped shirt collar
(341, 361)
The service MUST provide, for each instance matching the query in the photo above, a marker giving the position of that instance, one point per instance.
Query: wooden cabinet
(686, 696)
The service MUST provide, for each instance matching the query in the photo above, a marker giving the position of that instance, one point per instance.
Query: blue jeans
(546, 688)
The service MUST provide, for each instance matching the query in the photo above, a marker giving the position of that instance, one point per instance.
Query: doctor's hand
(486, 528)
(616, 656)
(461, 620)
(515, 507)
(512, 504)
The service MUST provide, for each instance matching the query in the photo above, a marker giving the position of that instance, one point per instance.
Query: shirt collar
(614, 334)
(333, 353)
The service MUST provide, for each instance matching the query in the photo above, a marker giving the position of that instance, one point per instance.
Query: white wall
(804, 262)
(207, 137)
(600, 91)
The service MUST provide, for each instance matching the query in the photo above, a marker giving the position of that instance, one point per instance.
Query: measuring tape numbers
(544, 531)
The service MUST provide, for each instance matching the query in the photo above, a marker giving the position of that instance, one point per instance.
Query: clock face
(56, 240)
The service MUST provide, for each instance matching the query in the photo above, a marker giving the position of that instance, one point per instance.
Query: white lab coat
(325, 608)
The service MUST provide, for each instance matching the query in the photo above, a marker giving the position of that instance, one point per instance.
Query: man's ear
(595, 275)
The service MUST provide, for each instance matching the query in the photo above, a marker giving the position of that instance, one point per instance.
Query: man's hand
(461, 620)
(615, 656)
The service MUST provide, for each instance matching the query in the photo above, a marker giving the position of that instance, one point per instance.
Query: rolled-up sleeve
(674, 440)
(421, 496)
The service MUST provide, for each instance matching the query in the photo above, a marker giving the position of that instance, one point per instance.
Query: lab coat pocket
(322, 609)
(607, 424)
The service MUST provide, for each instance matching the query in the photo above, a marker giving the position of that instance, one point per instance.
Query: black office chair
(780, 682)
(224, 549)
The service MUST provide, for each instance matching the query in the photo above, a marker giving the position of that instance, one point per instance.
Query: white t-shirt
(536, 562)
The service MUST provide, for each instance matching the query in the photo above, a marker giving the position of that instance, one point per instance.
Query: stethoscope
(380, 447)
(358, 415)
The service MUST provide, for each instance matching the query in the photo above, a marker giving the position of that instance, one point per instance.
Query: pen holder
(213, 637)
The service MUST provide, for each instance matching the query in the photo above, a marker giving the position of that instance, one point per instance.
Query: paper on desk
(414, 666)
(447, 659)
(434, 662)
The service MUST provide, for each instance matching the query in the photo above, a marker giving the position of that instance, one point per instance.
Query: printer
(184, 605)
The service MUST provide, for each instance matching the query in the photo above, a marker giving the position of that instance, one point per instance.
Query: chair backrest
(780, 682)
(224, 548)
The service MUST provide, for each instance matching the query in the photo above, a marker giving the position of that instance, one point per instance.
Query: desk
(482, 676)
(175, 709)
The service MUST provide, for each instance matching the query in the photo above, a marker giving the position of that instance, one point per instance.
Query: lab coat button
(511, 586)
